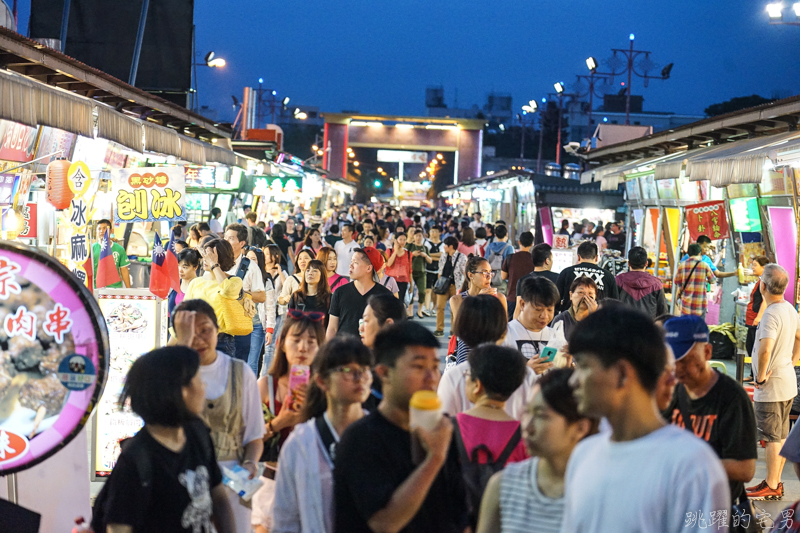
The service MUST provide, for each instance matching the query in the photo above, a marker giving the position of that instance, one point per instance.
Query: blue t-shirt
(707, 260)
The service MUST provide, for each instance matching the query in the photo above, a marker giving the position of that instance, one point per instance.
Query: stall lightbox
(745, 215)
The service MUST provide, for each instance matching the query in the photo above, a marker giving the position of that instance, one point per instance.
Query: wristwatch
(215, 265)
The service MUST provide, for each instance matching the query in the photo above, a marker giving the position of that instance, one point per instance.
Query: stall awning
(193, 151)
(739, 162)
(35, 104)
(114, 126)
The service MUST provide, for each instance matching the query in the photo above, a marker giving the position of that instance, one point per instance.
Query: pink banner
(784, 233)
(547, 225)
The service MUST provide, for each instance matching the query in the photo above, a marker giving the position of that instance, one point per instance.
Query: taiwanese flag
(171, 264)
(107, 273)
(159, 278)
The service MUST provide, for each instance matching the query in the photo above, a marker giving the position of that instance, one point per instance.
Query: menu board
(667, 189)
(562, 259)
(136, 322)
(53, 356)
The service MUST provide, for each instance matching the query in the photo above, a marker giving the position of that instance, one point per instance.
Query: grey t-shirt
(780, 322)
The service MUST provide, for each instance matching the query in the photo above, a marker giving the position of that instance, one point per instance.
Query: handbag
(245, 299)
(442, 285)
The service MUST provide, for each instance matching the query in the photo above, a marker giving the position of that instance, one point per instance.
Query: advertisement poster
(149, 194)
(56, 362)
(133, 330)
(745, 215)
(708, 218)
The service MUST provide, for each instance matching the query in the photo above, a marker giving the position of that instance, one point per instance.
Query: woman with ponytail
(304, 485)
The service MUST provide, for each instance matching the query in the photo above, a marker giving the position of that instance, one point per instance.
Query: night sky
(378, 57)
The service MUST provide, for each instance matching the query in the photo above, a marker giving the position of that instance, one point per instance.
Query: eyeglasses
(353, 374)
(313, 316)
(487, 273)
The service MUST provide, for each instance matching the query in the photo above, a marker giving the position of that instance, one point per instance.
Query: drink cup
(425, 411)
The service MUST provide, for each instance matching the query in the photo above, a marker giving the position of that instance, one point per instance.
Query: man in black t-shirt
(349, 301)
(615, 239)
(711, 405)
(377, 484)
(587, 266)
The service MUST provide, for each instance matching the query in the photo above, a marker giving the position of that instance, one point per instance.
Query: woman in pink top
(486, 430)
(468, 245)
(398, 265)
(330, 260)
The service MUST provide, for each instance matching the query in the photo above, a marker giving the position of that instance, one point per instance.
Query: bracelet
(215, 265)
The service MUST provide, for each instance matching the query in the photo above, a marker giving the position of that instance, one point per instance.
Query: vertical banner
(707, 218)
(30, 222)
(784, 235)
(80, 211)
(149, 194)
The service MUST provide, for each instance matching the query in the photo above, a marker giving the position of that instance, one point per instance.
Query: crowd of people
(570, 402)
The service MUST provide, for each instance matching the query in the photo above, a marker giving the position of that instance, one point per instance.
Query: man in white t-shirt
(253, 284)
(344, 251)
(775, 352)
(529, 332)
(643, 475)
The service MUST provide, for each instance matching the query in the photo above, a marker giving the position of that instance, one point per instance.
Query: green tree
(736, 104)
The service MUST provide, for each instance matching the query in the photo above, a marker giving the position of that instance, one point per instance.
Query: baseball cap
(683, 331)
(375, 257)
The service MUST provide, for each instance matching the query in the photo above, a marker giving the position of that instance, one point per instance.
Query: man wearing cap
(349, 301)
(711, 405)
(775, 352)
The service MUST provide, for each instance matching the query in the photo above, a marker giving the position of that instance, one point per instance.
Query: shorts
(431, 281)
(772, 420)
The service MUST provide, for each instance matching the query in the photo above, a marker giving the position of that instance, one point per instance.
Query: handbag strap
(271, 387)
(689, 277)
(328, 440)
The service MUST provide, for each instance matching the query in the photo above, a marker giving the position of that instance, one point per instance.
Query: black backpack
(476, 476)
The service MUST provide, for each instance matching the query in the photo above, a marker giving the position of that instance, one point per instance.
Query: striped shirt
(523, 508)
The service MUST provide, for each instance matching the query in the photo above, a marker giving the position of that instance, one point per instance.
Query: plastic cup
(425, 411)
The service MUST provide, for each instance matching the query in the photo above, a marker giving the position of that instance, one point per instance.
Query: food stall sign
(561, 241)
(199, 176)
(486, 194)
(56, 364)
(745, 215)
(402, 156)
(707, 218)
(136, 322)
(272, 185)
(17, 141)
(149, 194)
(30, 222)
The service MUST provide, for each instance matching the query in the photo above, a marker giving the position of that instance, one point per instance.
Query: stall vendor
(705, 244)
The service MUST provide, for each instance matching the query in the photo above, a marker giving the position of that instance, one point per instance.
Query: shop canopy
(611, 176)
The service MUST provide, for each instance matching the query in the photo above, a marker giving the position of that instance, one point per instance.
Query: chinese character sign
(56, 356)
(149, 194)
(30, 221)
(708, 218)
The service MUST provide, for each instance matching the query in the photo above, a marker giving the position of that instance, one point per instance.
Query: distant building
(497, 109)
(613, 112)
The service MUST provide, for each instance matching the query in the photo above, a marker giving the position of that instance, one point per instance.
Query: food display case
(137, 323)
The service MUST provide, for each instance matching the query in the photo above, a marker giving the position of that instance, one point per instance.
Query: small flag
(159, 279)
(107, 273)
(171, 264)
(87, 267)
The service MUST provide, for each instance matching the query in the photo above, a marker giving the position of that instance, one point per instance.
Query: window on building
(637, 123)
(613, 121)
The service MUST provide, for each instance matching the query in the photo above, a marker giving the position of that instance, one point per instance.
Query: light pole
(559, 87)
(775, 13)
(529, 108)
(211, 61)
(630, 67)
(592, 78)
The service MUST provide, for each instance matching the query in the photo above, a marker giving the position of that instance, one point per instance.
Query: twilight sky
(379, 56)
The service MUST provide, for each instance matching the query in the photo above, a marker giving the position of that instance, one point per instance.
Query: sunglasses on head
(313, 316)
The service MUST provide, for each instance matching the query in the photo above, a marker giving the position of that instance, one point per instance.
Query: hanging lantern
(59, 194)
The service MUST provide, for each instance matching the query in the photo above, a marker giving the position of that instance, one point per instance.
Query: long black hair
(262, 262)
(472, 266)
(334, 353)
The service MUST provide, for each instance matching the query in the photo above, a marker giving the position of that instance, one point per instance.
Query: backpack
(144, 467)
(476, 476)
(496, 262)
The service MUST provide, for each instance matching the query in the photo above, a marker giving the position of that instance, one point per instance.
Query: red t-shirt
(493, 434)
(756, 301)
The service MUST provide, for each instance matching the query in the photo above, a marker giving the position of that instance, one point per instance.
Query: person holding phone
(529, 332)
(583, 295)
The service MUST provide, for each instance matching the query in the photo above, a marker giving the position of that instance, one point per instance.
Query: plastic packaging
(298, 375)
(236, 479)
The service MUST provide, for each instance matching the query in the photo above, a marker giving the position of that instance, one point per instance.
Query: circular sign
(53, 356)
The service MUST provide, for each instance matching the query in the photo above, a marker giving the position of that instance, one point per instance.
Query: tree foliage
(736, 104)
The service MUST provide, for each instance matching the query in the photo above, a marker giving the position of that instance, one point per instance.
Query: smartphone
(549, 353)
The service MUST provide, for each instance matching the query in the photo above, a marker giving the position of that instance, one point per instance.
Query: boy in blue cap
(710, 404)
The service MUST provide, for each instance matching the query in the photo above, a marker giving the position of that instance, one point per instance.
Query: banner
(149, 194)
(707, 218)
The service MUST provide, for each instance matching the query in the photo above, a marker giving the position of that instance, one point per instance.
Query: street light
(285, 101)
(356, 163)
(300, 115)
(213, 61)
(439, 157)
(380, 170)
(559, 86)
(591, 63)
(775, 10)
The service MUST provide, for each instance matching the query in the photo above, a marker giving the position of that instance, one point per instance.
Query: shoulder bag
(679, 295)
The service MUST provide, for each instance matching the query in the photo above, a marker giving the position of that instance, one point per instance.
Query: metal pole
(558, 142)
(195, 99)
(13, 497)
(659, 236)
(64, 24)
(591, 99)
(400, 171)
(541, 138)
(628, 92)
(137, 50)
(522, 148)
